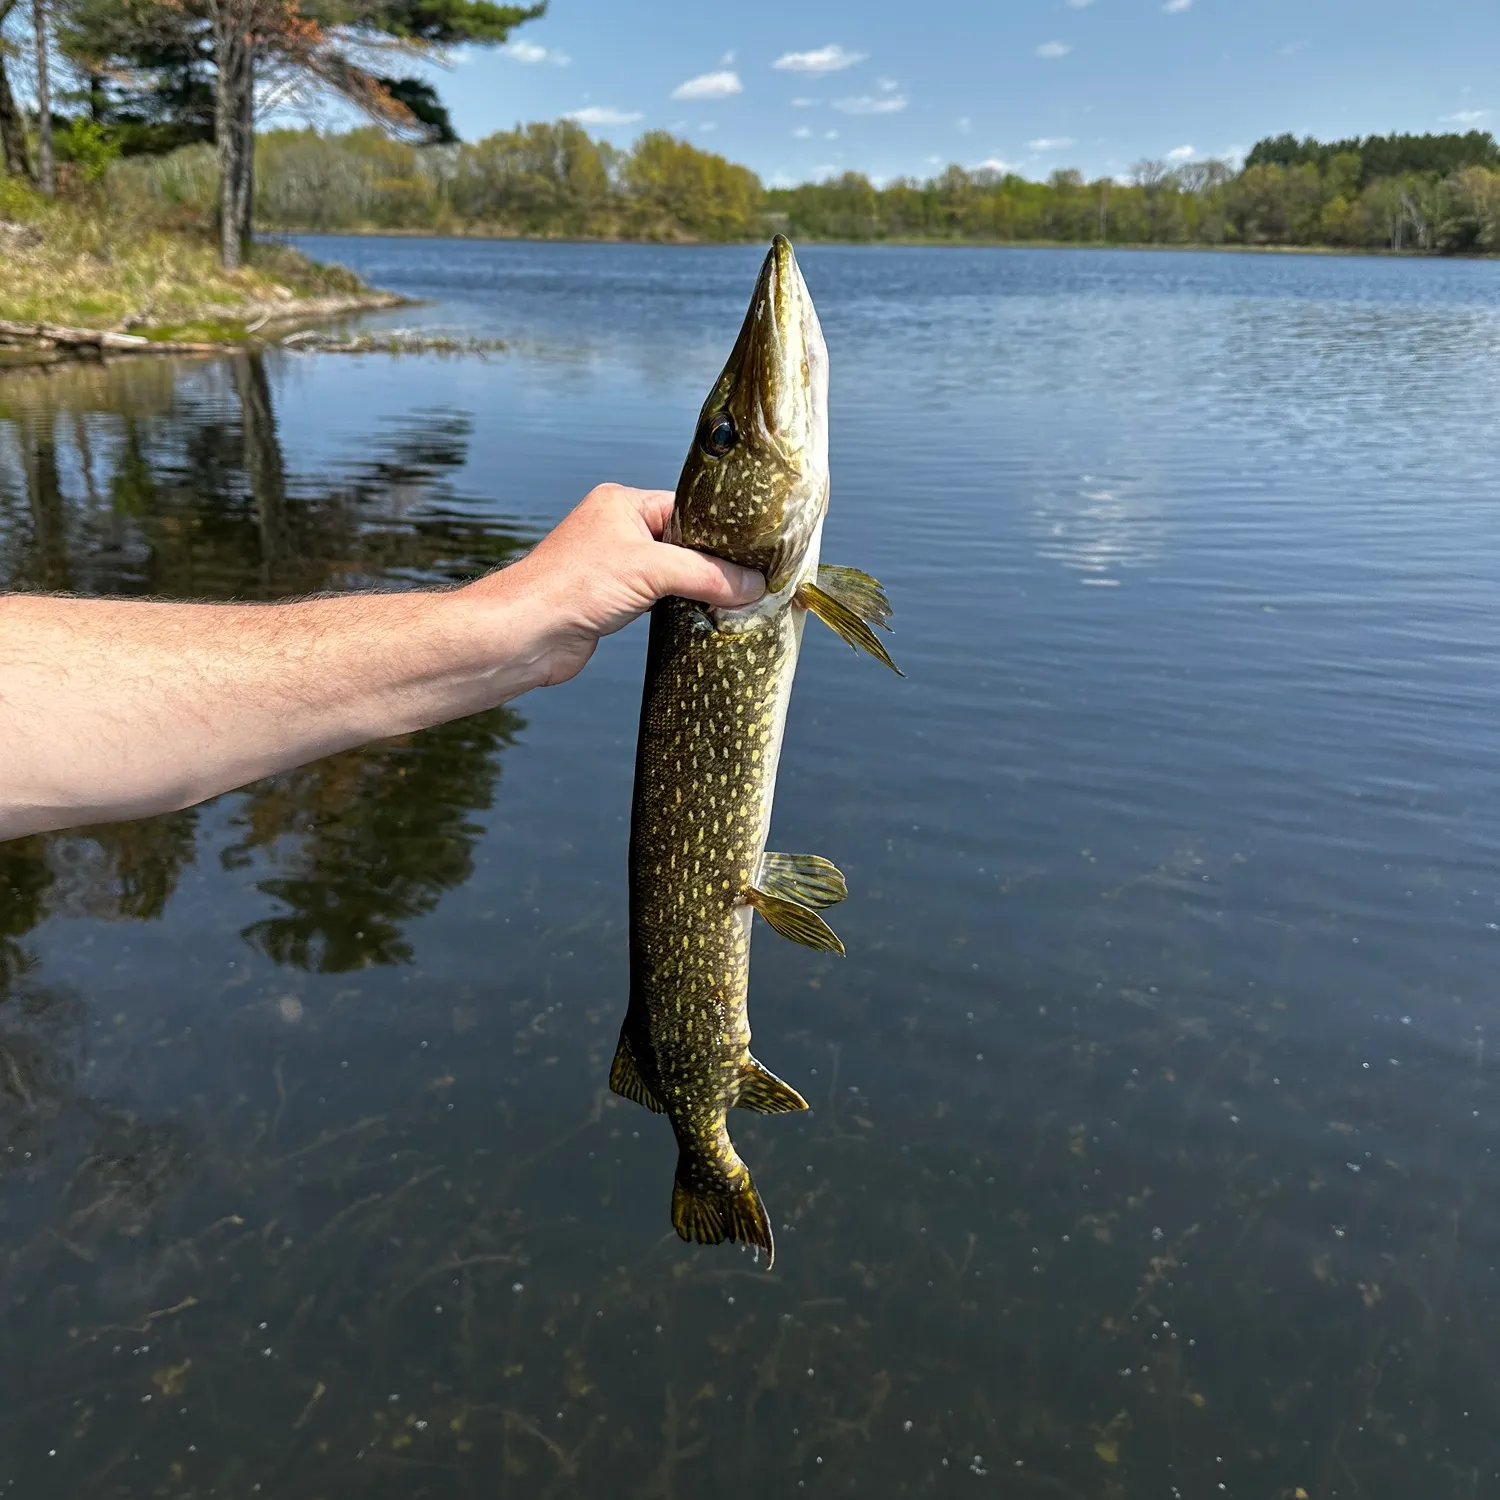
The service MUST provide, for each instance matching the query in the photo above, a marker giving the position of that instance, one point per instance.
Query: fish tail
(711, 1210)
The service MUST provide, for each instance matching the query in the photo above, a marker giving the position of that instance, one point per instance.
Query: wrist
(503, 633)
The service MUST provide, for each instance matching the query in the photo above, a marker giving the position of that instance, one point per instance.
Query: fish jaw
(754, 486)
(792, 361)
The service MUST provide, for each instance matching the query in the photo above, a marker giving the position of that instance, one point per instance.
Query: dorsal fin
(625, 1079)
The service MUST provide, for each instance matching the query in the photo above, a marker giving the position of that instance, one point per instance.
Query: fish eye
(718, 435)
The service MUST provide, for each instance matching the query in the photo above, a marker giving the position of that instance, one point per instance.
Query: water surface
(1152, 1141)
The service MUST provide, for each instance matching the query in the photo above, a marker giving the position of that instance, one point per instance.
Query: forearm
(114, 709)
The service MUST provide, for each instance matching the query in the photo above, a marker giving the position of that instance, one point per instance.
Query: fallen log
(57, 336)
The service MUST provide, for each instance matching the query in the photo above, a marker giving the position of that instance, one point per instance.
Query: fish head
(754, 488)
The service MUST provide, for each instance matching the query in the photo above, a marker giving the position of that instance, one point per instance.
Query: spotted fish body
(754, 490)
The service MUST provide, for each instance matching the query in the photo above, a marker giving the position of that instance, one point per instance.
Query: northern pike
(753, 490)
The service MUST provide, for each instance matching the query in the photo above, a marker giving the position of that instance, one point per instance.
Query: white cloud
(1233, 154)
(1470, 117)
(603, 114)
(805, 103)
(529, 52)
(802, 133)
(830, 135)
(1051, 143)
(827, 169)
(727, 61)
(1079, 4)
(829, 59)
(871, 104)
(709, 125)
(887, 85)
(710, 86)
(1181, 153)
(1176, 7)
(993, 164)
(1054, 49)
(963, 125)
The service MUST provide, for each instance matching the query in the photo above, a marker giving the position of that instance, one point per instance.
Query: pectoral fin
(625, 1079)
(766, 1094)
(859, 591)
(844, 621)
(794, 920)
(807, 879)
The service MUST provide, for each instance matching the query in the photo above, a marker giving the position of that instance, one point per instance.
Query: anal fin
(625, 1079)
(844, 622)
(763, 1093)
(808, 879)
(794, 920)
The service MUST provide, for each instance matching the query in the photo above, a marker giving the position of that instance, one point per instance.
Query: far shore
(683, 242)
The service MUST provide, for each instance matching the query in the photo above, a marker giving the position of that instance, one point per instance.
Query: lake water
(1153, 1141)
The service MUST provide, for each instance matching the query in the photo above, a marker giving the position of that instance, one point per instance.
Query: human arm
(116, 708)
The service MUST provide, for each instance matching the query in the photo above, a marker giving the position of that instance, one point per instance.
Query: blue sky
(799, 90)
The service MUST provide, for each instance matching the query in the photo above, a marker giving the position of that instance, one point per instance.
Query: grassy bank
(84, 265)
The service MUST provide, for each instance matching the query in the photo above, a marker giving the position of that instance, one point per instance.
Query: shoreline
(82, 281)
(376, 232)
(25, 344)
(268, 323)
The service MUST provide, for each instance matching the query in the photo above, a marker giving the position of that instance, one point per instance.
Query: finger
(654, 507)
(709, 580)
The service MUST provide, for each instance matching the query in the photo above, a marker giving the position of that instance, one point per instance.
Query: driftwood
(48, 342)
(15, 335)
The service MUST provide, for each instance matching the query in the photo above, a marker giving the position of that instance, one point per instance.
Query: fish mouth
(754, 486)
(786, 361)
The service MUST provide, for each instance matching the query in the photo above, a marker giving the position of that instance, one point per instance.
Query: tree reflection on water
(170, 481)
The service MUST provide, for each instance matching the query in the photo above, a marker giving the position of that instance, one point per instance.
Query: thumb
(709, 580)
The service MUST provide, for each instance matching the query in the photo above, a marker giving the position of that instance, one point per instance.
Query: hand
(602, 567)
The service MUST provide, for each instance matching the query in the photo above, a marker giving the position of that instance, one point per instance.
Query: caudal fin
(711, 1213)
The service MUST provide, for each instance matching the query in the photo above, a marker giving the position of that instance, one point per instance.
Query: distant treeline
(1433, 192)
(541, 179)
(1382, 155)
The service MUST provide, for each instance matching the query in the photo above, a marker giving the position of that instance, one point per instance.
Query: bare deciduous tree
(43, 98)
(16, 157)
